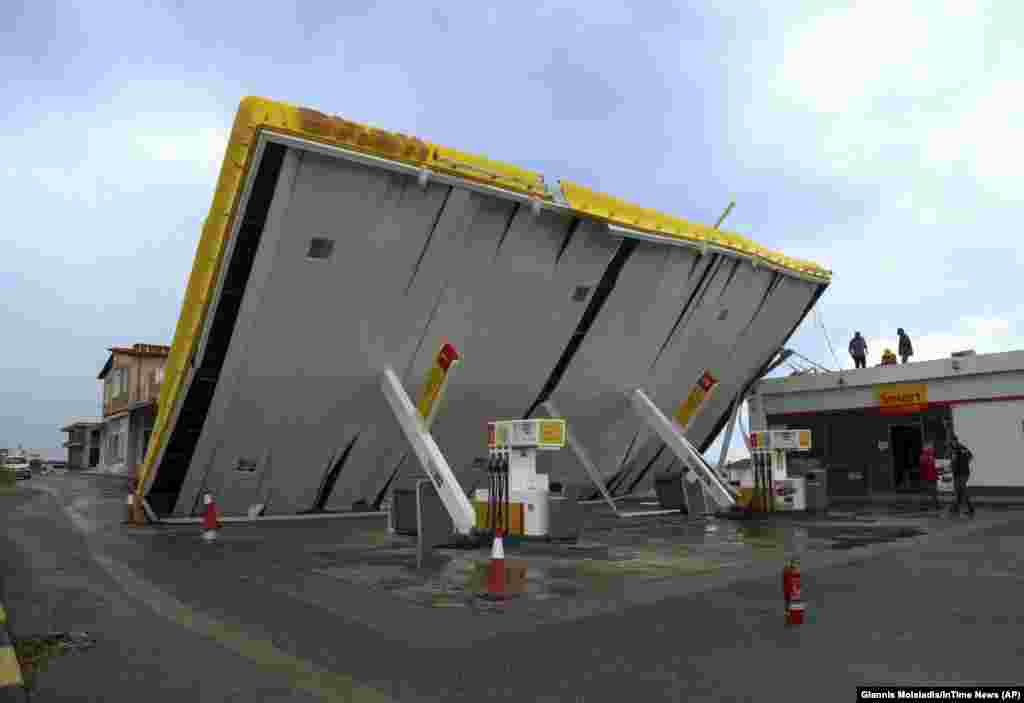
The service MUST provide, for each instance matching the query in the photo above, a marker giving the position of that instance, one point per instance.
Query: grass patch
(35, 653)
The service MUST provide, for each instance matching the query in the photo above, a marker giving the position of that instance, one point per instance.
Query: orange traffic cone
(496, 569)
(211, 523)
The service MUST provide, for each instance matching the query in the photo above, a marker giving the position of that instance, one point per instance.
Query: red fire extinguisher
(791, 593)
(791, 581)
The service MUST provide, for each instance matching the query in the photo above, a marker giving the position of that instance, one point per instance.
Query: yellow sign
(804, 439)
(552, 432)
(902, 394)
(547, 433)
(698, 394)
(435, 379)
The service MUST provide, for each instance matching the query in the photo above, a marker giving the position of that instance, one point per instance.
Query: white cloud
(985, 335)
(201, 145)
(904, 88)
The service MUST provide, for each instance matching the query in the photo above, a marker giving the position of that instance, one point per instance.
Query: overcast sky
(882, 139)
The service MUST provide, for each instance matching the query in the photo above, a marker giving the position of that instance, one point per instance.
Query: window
(158, 375)
(116, 384)
(320, 248)
(115, 449)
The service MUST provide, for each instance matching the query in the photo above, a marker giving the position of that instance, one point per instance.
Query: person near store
(888, 358)
(961, 458)
(906, 348)
(859, 351)
(929, 475)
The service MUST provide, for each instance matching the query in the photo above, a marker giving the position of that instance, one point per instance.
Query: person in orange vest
(888, 358)
(929, 475)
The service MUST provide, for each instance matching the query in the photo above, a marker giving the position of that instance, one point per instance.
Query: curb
(11, 680)
(273, 518)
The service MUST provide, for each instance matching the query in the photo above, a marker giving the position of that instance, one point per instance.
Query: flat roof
(662, 290)
(914, 372)
(82, 422)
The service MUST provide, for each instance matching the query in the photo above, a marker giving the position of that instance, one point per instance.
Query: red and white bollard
(129, 502)
(496, 569)
(211, 522)
(135, 514)
(792, 594)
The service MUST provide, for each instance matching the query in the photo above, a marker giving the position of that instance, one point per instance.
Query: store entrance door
(906, 442)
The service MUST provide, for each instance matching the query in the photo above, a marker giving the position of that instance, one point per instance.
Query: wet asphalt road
(246, 620)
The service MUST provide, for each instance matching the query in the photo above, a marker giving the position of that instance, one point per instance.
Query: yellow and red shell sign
(446, 356)
(698, 394)
(435, 378)
(902, 398)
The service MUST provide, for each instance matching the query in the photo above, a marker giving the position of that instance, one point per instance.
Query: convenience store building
(868, 425)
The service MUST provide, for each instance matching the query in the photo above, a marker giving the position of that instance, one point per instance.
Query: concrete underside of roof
(541, 307)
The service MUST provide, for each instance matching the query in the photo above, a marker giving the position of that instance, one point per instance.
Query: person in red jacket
(929, 475)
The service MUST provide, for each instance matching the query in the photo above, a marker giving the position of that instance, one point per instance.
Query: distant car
(19, 465)
(54, 466)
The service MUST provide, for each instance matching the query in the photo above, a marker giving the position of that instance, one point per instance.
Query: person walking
(859, 351)
(906, 348)
(929, 475)
(961, 457)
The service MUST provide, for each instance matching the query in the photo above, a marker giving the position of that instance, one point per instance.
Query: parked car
(54, 466)
(19, 465)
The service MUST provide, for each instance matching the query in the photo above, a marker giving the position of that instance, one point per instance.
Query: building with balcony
(131, 391)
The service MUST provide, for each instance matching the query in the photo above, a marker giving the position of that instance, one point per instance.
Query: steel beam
(673, 437)
(724, 456)
(428, 453)
(581, 454)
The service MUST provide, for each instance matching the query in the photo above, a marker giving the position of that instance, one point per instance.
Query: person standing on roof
(859, 351)
(961, 457)
(906, 348)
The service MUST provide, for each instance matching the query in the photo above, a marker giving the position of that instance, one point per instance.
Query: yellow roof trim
(620, 212)
(256, 113)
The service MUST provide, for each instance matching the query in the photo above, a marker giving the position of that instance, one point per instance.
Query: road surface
(246, 619)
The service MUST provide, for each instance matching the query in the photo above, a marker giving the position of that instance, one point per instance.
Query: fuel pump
(517, 496)
(773, 489)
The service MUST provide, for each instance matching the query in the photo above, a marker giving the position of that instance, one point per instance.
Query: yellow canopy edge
(612, 209)
(256, 113)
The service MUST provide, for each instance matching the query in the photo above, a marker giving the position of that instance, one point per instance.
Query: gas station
(444, 295)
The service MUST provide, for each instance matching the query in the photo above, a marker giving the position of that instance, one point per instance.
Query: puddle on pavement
(606, 561)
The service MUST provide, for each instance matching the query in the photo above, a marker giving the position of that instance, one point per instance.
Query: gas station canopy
(334, 250)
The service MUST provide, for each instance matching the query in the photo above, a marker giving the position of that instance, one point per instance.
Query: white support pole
(673, 437)
(728, 431)
(428, 453)
(581, 454)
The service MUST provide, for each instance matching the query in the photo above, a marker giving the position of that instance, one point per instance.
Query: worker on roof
(888, 358)
(859, 351)
(906, 348)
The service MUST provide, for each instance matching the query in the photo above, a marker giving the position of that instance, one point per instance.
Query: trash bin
(816, 490)
(565, 514)
(403, 511)
(670, 491)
